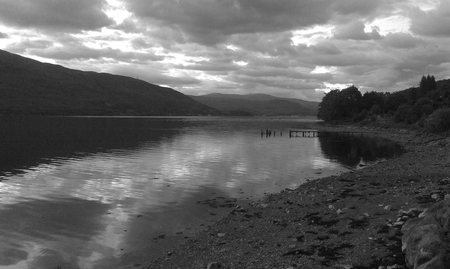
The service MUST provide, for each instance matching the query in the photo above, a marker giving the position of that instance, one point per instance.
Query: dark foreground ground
(346, 221)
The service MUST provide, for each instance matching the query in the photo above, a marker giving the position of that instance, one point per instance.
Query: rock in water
(426, 239)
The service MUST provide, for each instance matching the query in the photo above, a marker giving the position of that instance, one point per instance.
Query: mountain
(258, 104)
(34, 88)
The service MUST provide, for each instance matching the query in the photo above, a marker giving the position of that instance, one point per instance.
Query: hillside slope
(258, 104)
(31, 87)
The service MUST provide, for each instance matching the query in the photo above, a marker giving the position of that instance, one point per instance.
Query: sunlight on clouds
(232, 47)
(311, 36)
(181, 59)
(425, 4)
(116, 11)
(205, 76)
(107, 38)
(393, 24)
(241, 63)
(324, 70)
(332, 86)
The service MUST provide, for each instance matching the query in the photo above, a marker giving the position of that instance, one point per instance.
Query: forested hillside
(34, 88)
(425, 106)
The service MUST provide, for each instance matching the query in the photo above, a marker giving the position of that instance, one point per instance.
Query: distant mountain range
(33, 88)
(258, 105)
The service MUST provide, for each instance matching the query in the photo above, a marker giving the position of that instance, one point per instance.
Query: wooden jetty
(268, 133)
(317, 133)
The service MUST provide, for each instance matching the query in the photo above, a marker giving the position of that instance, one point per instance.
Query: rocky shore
(353, 220)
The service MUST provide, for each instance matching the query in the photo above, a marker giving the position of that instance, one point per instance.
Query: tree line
(427, 105)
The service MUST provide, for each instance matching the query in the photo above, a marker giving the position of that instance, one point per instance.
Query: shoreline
(343, 221)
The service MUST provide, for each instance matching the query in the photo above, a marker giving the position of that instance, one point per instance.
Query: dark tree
(394, 101)
(370, 99)
(427, 84)
(328, 105)
(433, 84)
(340, 105)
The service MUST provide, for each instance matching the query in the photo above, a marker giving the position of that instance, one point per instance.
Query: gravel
(345, 221)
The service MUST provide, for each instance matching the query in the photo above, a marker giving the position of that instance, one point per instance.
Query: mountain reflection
(30, 141)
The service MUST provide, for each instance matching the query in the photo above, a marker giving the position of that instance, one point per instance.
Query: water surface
(117, 192)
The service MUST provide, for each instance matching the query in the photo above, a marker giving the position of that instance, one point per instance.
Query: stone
(344, 266)
(214, 265)
(425, 240)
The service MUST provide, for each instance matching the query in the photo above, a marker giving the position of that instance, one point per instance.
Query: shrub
(438, 121)
(360, 116)
(376, 110)
(402, 113)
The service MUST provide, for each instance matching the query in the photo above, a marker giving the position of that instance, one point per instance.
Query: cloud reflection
(47, 233)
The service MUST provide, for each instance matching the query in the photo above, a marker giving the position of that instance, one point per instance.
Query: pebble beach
(352, 220)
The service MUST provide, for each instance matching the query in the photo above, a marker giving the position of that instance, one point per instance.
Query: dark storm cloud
(50, 15)
(402, 41)
(354, 7)
(211, 21)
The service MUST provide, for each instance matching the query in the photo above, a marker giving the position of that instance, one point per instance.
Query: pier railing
(310, 133)
(317, 133)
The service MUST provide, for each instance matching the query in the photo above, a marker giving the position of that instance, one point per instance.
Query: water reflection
(31, 141)
(117, 192)
(355, 150)
(42, 232)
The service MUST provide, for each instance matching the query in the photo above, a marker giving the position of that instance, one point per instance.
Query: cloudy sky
(290, 48)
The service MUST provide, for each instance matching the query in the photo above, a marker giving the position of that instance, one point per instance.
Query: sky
(287, 48)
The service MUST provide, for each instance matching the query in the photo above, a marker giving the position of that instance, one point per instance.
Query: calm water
(117, 192)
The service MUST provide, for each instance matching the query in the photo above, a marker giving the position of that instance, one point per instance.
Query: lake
(117, 192)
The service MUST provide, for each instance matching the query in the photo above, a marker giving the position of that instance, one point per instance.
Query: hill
(34, 88)
(258, 104)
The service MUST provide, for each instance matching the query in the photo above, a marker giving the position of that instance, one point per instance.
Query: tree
(394, 101)
(427, 84)
(328, 105)
(340, 105)
(433, 84)
(369, 99)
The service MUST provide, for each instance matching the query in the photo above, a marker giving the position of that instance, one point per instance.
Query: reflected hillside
(352, 151)
(30, 141)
